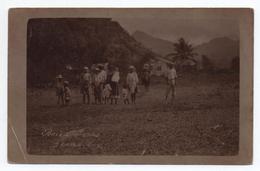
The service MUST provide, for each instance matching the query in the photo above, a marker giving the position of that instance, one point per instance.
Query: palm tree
(183, 51)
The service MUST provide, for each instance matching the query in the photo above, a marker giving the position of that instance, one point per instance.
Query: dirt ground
(203, 120)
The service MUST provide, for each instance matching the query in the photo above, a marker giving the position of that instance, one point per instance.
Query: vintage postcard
(130, 86)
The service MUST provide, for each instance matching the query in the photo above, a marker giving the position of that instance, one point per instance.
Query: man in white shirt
(171, 82)
(103, 74)
(132, 81)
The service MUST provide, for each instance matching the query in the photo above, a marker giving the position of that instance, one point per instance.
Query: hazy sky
(196, 31)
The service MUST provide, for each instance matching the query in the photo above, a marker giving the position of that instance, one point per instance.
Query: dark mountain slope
(54, 43)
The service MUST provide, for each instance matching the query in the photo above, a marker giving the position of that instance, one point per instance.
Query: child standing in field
(67, 93)
(59, 89)
(106, 93)
(125, 94)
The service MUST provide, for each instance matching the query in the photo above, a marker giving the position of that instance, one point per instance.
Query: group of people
(103, 83)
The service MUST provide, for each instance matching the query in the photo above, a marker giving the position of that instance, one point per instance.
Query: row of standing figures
(105, 85)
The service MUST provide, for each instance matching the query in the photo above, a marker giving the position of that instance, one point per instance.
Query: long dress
(114, 84)
(97, 86)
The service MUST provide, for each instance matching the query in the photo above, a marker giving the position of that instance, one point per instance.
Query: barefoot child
(67, 93)
(125, 94)
(59, 89)
(106, 93)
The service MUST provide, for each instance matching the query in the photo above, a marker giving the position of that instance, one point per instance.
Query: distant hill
(53, 43)
(157, 45)
(221, 51)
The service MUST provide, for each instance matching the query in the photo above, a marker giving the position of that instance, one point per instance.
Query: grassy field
(203, 120)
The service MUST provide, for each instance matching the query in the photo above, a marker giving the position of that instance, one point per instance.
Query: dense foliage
(54, 43)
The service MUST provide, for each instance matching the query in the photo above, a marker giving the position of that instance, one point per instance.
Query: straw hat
(131, 67)
(59, 76)
(100, 66)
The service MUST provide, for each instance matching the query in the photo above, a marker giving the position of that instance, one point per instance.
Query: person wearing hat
(132, 81)
(59, 89)
(67, 93)
(85, 85)
(171, 82)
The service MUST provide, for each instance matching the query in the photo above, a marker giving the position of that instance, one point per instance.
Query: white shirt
(98, 79)
(115, 77)
(87, 77)
(132, 79)
(124, 93)
(103, 75)
(172, 74)
(107, 90)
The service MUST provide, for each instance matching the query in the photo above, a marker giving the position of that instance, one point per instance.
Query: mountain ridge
(158, 45)
(219, 50)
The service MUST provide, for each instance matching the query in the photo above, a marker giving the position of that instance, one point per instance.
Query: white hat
(86, 68)
(131, 67)
(97, 69)
(59, 76)
(100, 65)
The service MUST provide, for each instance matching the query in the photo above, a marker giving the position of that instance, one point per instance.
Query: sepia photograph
(114, 86)
(139, 85)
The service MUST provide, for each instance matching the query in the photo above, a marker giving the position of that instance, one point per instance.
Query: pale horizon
(195, 31)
